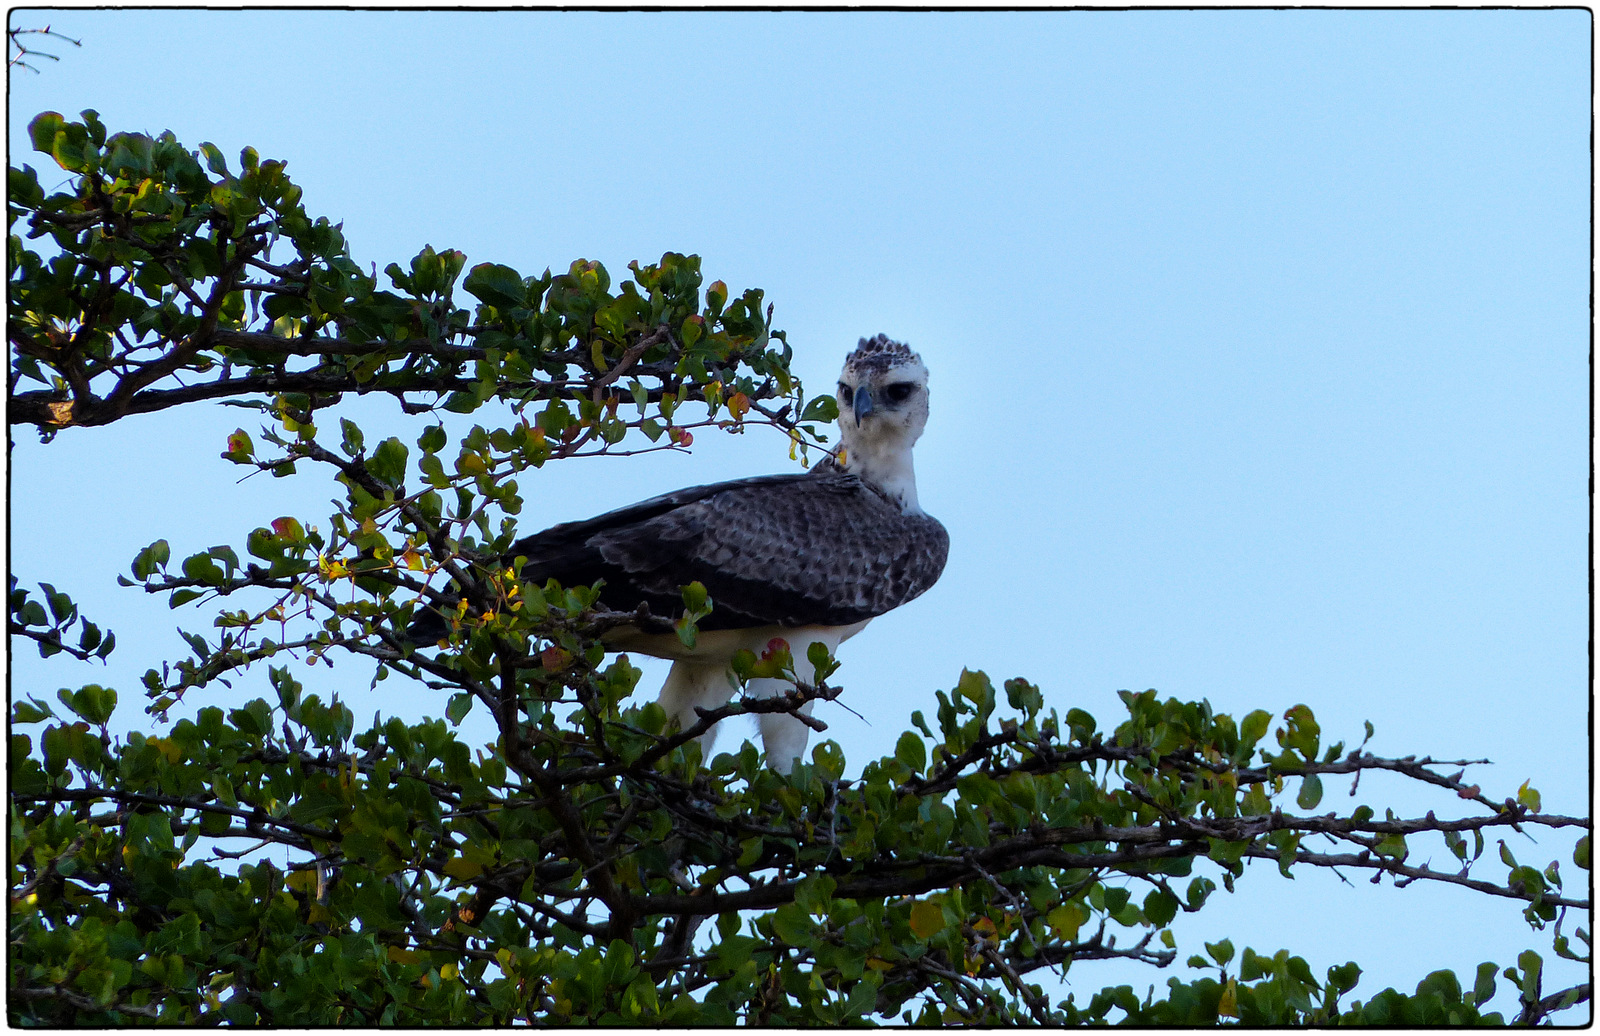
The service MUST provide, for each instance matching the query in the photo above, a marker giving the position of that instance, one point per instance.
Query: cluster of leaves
(564, 871)
(568, 882)
(151, 282)
(27, 618)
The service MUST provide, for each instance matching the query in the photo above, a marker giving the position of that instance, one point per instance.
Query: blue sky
(1259, 345)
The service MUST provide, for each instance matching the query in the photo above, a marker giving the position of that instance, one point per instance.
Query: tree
(565, 872)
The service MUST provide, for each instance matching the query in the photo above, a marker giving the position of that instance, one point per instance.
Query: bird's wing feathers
(787, 550)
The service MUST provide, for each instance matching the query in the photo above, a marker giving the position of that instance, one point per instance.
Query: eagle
(808, 558)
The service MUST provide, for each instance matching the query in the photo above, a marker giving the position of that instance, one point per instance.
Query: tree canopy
(585, 866)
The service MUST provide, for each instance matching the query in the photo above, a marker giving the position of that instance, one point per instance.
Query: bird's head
(883, 398)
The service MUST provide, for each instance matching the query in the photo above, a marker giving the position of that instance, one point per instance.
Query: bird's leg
(692, 684)
(783, 736)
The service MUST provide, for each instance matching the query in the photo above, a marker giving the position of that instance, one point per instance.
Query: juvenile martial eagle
(809, 557)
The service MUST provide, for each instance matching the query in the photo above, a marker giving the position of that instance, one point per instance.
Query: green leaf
(1226, 853)
(911, 752)
(829, 763)
(975, 687)
(1254, 727)
(214, 160)
(202, 568)
(1310, 791)
(695, 598)
(793, 925)
(821, 408)
(1393, 846)
(60, 604)
(499, 286)
(96, 704)
(750, 851)
(433, 439)
(822, 663)
(1343, 978)
(353, 439)
(1302, 732)
(150, 559)
(1532, 966)
(1221, 952)
(43, 130)
(72, 149)
(1160, 907)
(31, 711)
(1483, 988)
(388, 462)
(254, 719)
(814, 894)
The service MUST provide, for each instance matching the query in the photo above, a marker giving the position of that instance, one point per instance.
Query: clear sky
(1259, 345)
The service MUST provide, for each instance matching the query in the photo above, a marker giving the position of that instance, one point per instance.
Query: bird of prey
(807, 557)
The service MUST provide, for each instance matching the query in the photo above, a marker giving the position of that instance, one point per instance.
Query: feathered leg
(784, 736)
(692, 684)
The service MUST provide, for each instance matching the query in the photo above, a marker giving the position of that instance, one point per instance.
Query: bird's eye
(844, 391)
(899, 392)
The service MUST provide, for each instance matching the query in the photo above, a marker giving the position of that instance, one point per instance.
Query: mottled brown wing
(822, 549)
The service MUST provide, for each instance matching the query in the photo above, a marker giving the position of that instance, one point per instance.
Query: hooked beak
(863, 403)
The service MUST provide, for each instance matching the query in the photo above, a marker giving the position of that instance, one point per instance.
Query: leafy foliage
(155, 251)
(586, 866)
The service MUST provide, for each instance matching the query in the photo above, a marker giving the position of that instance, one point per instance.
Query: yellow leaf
(1066, 920)
(462, 868)
(400, 956)
(927, 919)
(1228, 1005)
